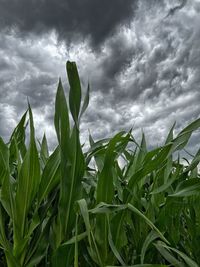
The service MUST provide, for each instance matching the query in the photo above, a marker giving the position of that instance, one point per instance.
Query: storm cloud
(72, 19)
(140, 57)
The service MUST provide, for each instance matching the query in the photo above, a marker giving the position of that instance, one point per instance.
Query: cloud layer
(71, 19)
(141, 58)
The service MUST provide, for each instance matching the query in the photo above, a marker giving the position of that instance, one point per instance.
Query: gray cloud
(174, 9)
(71, 19)
(25, 73)
(119, 57)
(160, 82)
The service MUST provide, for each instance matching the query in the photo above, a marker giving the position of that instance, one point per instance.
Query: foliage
(117, 204)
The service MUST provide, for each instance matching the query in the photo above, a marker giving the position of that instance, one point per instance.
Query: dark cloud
(157, 79)
(119, 58)
(71, 19)
(174, 9)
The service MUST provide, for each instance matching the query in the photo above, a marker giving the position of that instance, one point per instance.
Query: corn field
(73, 207)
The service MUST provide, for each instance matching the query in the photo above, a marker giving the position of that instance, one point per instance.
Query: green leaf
(18, 137)
(72, 165)
(7, 195)
(170, 134)
(187, 260)
(149, 239)
(142, 151)
(194, 162)
(165, 251)
(182, 139)
(105, 187)
(84, 212)
(63, 256)
(187, 188)
(86, 101)
(75, 90)
(140, 265)
(154, 160)
(167, 255)
(28, 183)
(76, 244)
(107, 208)
(4, 161)
(112, 245)
(140, 214)
(61, 118)
(72, 170)
(44, 151)
(50, 176)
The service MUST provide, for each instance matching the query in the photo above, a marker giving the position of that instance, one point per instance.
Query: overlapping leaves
(115, 204)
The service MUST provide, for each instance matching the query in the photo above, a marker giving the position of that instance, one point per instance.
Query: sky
(141, 58)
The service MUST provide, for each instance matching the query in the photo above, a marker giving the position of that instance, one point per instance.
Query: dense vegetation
(77, 208)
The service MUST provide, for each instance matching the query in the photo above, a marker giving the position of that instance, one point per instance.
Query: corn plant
(84, 208)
